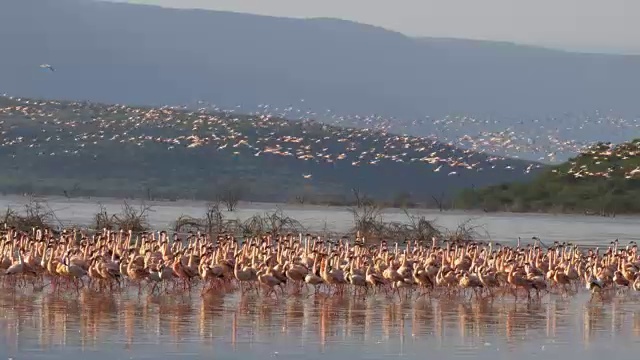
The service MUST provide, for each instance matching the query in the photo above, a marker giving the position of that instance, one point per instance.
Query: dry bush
(130, 218)
(185, 223)
(418, 228)
(423, 232)
(275, 222)
(213, 222)
(467, 231)
(369, 223)
(230, 193)
(102, 220)
(37, 213)
(367, 217)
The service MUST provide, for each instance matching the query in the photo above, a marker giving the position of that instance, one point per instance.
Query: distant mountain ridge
(139, 54)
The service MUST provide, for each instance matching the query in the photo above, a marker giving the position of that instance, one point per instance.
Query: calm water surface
(499, 227)
(45, 326)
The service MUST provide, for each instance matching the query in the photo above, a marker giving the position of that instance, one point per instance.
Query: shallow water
(124, 326)
(499, 227)
(44, 326)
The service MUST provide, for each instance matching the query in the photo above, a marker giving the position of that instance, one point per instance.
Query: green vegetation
(603, 180)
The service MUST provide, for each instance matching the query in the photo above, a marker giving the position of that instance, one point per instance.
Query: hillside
(82, 148)
(604, 179)
(137, 54)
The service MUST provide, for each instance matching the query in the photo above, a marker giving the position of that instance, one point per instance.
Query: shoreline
(502, 227)
(295, 206)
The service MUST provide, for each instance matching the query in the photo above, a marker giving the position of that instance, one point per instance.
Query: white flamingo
(47, 66)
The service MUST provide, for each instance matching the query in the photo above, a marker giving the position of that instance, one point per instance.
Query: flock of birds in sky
(80, 127)
(606, 160)
(77, 126)
(547, 140)
(455, 143)
(47, 66)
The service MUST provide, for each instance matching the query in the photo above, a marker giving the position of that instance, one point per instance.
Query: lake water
(502, 227)
(233, 326)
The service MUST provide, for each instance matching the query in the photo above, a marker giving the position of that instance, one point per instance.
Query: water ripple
(45, 326)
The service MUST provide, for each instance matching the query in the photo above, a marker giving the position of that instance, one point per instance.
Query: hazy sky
(590, 25)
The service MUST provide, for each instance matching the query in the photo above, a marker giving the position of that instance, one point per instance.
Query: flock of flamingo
(73, 128)
(303, 264)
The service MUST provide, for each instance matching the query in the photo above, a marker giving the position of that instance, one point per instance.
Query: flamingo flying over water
(47, 66)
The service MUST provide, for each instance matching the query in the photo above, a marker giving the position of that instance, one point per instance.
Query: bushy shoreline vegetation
(603, 180)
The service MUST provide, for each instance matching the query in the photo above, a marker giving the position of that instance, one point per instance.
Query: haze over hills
(80, 149)
(123, 53)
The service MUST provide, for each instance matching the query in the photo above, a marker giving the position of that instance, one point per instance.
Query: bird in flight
(306, 176)
(47, 66)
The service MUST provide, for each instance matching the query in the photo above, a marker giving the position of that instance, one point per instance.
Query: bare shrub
(467, 231)
(421, 229)
(275, 222)
(214, 219)
(439, 201)
(185, 223)
(129, 218)
(361, 199)
(213, 222)
(133, 219)
(370, 224)
(36, 213)
(102, 220)
(300, 199)
(367, 219)
(230, 194)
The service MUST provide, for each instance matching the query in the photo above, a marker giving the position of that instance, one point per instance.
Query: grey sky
(589, 25)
